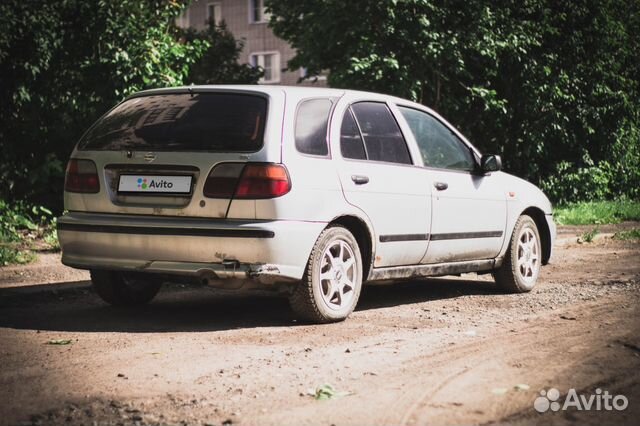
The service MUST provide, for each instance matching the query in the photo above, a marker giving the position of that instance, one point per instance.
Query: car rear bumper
(267, 251)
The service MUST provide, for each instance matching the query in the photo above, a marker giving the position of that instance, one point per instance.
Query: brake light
(81, 176)
(247, 181)
(263, 181)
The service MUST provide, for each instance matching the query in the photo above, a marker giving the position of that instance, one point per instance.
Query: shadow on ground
(74, 307)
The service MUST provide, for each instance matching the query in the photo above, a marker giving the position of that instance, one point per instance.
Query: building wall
(257, 36)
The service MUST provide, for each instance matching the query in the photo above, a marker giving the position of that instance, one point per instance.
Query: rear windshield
(182, 122)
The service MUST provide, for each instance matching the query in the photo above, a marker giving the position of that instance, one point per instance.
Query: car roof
(299, 92)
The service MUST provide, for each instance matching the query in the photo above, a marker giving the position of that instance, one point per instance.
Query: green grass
(633, 234)
(597, 212)
(9, 255)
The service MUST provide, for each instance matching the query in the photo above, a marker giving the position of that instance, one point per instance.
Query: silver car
(311, 192)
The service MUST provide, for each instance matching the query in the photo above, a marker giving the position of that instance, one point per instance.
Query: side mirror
(490, 163)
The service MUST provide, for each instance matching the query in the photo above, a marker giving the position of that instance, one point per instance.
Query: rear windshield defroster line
(227, 122)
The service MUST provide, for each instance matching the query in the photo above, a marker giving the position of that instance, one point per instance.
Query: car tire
(521, 266)
(332, 282)
(125, 288)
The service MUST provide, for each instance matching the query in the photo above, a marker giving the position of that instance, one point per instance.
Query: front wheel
(521, 266)
(331, 286)
(125, 288)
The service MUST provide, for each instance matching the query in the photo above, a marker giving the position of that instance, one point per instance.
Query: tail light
(223, 180)
(263, 181)
(81, 176)
(247, 181)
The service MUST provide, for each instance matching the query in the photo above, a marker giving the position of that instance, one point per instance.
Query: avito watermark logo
(143, 183)
(601, 400)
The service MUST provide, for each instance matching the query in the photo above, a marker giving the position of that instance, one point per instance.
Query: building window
(214, 13)
(182, 21)
(270, 63)
(257, 14)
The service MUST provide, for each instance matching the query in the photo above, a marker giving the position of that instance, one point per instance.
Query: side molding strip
(465, 235)
(403, 237)
(439, 237)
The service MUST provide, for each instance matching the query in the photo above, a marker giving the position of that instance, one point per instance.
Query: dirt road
(440, 351)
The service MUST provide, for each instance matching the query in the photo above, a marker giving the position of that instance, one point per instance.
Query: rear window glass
(312, 120)
(182, 122)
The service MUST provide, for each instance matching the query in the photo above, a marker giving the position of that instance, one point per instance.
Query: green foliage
(326, 392)
(20, 226)
(219, 62)
(551, 86)
(633, 234)
(588, 236)
(618, 176)
(65, 63)
(11, 254)
(597, 212)
(570, 184)
(50, 235)
(59, 342)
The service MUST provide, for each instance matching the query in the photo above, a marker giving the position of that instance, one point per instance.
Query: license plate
(154, 184)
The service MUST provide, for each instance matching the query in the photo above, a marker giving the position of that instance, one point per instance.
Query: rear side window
(182, 122)
(383, 140)
(351, 145)
(312, 120)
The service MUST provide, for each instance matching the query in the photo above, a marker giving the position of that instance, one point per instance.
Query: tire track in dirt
(560, 335)
(433, 385)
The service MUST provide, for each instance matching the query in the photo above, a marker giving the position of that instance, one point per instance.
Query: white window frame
(218, 17)
(275, 68)
(265, 16)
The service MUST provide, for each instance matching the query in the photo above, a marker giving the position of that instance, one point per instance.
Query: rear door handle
(360, 179)
(441, 186)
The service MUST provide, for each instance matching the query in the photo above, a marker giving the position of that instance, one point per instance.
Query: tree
(65, 63)
(547, 84)
(219, 62)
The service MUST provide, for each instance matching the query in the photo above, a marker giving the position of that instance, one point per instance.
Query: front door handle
(441, 186)
(360, 179)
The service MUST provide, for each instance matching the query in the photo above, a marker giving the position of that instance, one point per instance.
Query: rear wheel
(521, 266)
(125, 288)
(330, 289)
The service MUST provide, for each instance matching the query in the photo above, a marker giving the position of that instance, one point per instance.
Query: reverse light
(223, 180)
(81, 176)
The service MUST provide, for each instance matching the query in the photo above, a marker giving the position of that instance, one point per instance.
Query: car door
(469, 210)
(379, 177)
